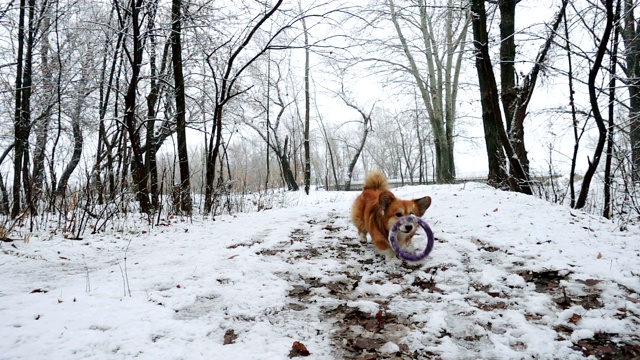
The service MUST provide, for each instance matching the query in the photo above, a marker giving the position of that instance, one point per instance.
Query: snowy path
(510, 277)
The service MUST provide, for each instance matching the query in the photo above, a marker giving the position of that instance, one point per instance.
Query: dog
(377, 209)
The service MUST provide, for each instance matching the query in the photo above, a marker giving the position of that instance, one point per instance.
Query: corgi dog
(377, 209)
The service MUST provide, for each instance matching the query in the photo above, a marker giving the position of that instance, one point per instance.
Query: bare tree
(593, 98)
(362, 139)
(438, 82)
(515, 97)
(134, 54)
(307, 108)
(271, 134)
(631, 38)
(22, 111)
(81, 94)
(226, 82)
(183, 155)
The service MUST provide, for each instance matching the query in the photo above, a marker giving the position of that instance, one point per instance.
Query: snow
(510, 276)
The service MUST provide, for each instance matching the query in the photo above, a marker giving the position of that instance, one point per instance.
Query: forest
(193, 107)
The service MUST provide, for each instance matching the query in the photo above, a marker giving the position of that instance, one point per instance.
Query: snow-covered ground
(510, 277)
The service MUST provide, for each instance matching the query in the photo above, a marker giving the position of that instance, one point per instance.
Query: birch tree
(307, 107)
(438, 77)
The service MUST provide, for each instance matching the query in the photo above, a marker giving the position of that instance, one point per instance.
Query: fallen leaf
(230, 337)
(298, 349)
(368, 344)
(575, 318)
(495, 210)
(599, 256)
(633, 300)
(591, 282)
(39, 291)
(373, 356)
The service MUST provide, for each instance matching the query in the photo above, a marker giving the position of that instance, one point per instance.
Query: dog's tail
(376, 181)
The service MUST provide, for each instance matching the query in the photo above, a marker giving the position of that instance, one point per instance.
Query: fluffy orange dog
(376, 210)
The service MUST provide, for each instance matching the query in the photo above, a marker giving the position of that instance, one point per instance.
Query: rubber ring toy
(404, 254)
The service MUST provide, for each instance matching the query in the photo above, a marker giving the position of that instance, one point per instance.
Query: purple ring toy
(402, 253)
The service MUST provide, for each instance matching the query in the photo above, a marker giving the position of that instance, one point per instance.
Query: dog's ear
(423, 204)
(385, 199)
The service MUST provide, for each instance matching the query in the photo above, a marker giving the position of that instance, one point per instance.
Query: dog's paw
(388, 254)
(362, 237)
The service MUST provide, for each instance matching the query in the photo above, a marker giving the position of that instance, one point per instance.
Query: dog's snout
(408, 228)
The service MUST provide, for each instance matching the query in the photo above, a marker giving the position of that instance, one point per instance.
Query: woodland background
(157, 106)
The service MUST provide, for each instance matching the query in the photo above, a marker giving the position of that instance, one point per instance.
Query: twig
(88, 283)
(126, 274)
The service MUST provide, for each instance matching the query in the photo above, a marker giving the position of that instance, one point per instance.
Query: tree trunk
(152, 100)
(222, 97)
(22, 115)
(613, 61)
(574, 120)
(307, 111)
(285, 164)
(78, 142)
(138, 173)
(432, 90)
(104, 146)
(488, 97)
(593, 98)
(4, 194)
(366, 125)
(183, 155)
(491, 114)
(42, 126)
(631, 38)
(20, 142)
(510, 92)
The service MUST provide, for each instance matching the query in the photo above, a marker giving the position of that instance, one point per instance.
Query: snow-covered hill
(510, 277)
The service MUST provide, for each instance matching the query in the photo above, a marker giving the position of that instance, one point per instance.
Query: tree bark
(4, 194)
(488, 97)
(613, 61)
(495, 132)
(42, 126)
(631, 38)
(139, 176)
(437, 90)
(78, 141)
(597, 116)
(22, 115)
(307, 109)
(225, 94)
(366, 126)
(183, 155)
